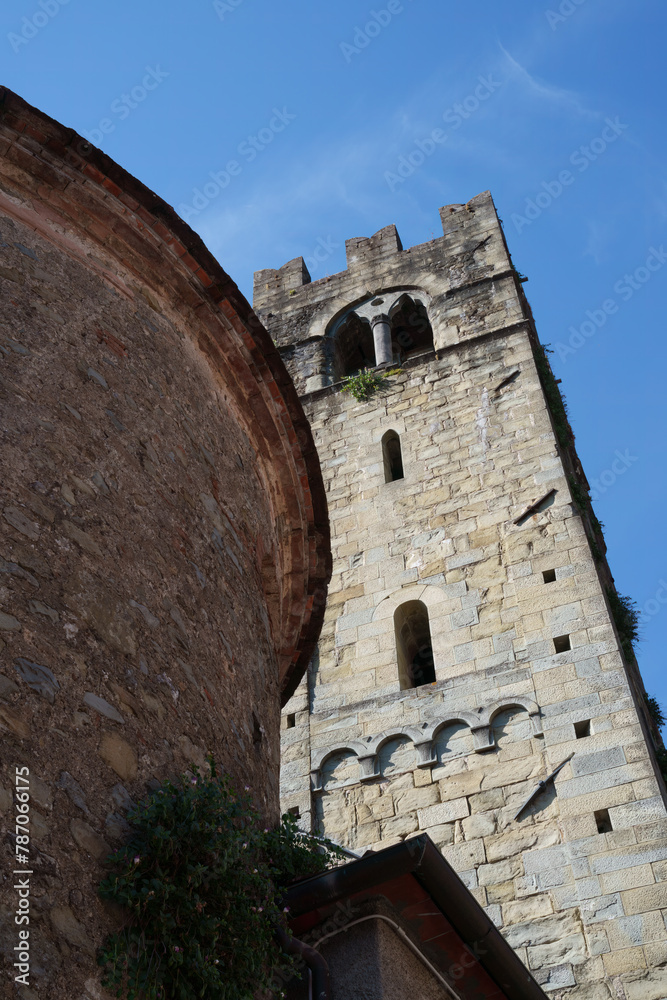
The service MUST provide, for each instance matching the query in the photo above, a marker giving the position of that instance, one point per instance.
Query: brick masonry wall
(370, 763)
(161, 557)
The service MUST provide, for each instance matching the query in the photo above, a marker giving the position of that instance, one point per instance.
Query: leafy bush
(655, 711)
(555, 401)
(366, 382)
(626, 618)
(201, 880)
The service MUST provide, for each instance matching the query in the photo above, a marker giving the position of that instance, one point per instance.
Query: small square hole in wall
(294, 811)
(603, 821)
(291, 721)
(549, 575)
(582, 729)
(562, 643)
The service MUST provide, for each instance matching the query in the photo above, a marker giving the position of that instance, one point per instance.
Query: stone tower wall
(163, 538)
(486, 507)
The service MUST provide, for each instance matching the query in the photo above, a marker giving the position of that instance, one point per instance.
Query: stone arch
(339, 768)
(511, 725)
(519, 704)
(433, 597)
(319, 757)
(411, 330)
(353, 347)
(452, 739)
(506, 703)
(349, 327)
(414, 645)
(392, 456)
(396, 753)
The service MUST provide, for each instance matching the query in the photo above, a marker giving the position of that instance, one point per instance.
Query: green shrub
(555, 401)
(655, 711)
(366, 382)
(200, 881)
(626, 618)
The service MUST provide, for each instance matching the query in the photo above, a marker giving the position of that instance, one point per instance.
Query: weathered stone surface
(39, 827)
(444, 812)
(38, 608)
(159, 387)
(13, 723)
(82, 538)
(18, 520)
(102, 707)
(119, 755)
(38, 678)
(66, 925)
(116, 827)
(553, 928)
(74, 791)
(88, 839)
(121, 798)
(102, 610)
(41, 793)
(8, 623)
(7, 687)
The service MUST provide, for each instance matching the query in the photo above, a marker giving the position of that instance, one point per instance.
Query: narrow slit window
(392, 457)
(414, 648)
(603, 821)
(291, 721)
(582, 729)
(562, 643)
(549, 575)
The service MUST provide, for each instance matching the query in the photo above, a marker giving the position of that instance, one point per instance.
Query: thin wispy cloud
(559, 97)
(600, 240)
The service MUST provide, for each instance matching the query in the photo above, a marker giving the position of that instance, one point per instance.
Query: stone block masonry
(164, 547)
(483, 531)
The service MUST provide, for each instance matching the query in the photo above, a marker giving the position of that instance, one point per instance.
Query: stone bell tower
(473, 639)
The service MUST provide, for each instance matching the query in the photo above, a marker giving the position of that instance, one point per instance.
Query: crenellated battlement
(464, 280)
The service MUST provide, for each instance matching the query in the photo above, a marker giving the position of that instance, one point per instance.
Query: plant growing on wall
(626, 618)
(367, 382)
(200, 880)
(554, 397)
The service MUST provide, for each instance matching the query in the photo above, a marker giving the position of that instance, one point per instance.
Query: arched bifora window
(413, 645)
(391, 455)
(411, 332)
(354, 348)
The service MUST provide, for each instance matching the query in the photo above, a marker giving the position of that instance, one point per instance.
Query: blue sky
(304, 112)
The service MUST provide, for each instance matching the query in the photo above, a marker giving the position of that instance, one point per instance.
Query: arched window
(411, 332)
(413, 645)
(391, 455)
(354, 347)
